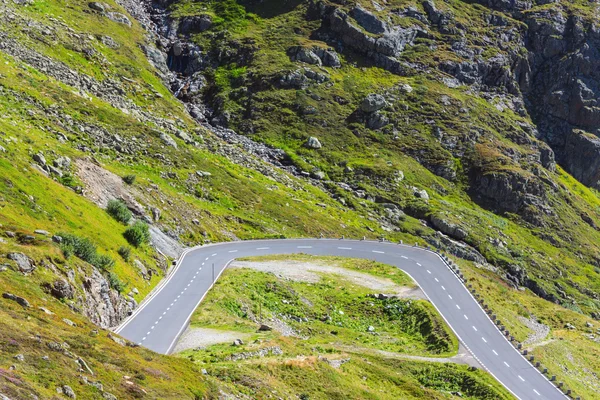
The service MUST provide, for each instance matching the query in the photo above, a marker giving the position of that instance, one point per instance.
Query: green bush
(119, 211)
(104, 262)
(137, 234)
(115, 282)
(124, 252)
(84, 249)
(129, 179)
(80, 247)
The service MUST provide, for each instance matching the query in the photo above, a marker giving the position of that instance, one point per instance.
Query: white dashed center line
(304, 247)
(262, 248)
(521, 378)
(214, 254)
(505, 363)
(536, 392)
(457, 306)
(406, 258)
(443, 288)
(377, 251)
(345, 248)
(465, 315)
(206, 259)
(428, 271)
(419, 265)
(436, 279)
(233, 251)
(474, 328)
(484, 341)
(450, 297)
(494, 351)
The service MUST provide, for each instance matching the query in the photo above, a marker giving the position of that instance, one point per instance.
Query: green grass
(402, 326)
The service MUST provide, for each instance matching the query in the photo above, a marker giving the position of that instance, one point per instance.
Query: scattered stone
(117, 339)
(155, 214)
(168, 140)
(313, 143)
(371, 328)
(238, 342)
(69, 322)
(10, 234)
(57, 239)
(45, 358)
(67, 391)
(570, 326)
(45, 310)
(204, 371)
(24, 263)
(589, 324)
(20, 300)
(334, 363)
(19, 357)
(41, 232)
(109, 396)
(421, 193)
(118, 17)
(318, 174)
(62, 162)
(84, 365)
(264, 328)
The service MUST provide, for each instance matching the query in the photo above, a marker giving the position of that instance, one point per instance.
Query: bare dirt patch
(310, 272)
(201, 337)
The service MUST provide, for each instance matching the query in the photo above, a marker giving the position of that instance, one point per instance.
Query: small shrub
(84, 249)
(124, 252)
(129, 179)
(119, 211)
(80, 247)
(115, 282)
(104, 262)
(137, 234)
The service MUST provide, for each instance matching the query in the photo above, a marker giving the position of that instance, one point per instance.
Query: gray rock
(264, 328)
(24, 263)
(62, 289)
(373, 102)
(313, 143)
(237, 342)
(45, 310)
(10, 234)
(304, 55)
(118, 17)
(84, 365)
(368, 21)
(69, 322)
(184, 136)
(371, 328)
(318, 174)
(421, 193)
(68, 392)
(168, 140)
(19, 357)
(155, 214)
(62, 162)
(448, 228)
(377, 120)
(109, 396)
(40, 159)
(41, 232)
(194, 24)
(20, 300)
(109, 42)
(329, 57)
(117, 339)
(96, 6)
(142, 269)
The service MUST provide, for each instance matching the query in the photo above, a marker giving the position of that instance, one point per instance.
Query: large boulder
(372, 103)
(20, 300)
(25, 264)
(194, 24)
(313, 143)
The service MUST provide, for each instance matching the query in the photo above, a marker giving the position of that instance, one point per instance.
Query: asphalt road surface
(163, 316)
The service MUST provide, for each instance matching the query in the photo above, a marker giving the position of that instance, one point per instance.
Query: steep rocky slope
(448, 112)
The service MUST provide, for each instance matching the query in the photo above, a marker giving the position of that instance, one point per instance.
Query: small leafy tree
(137, 234)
